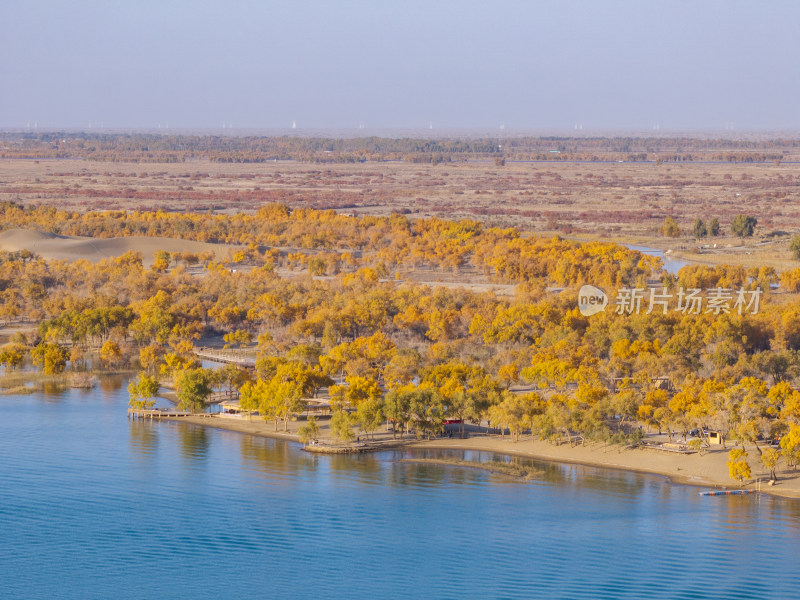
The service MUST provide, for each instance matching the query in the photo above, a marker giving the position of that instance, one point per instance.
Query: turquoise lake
(95, 506)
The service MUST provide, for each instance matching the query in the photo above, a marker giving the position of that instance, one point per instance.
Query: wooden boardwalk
(226, 357)
(162, 413)
(215, 397)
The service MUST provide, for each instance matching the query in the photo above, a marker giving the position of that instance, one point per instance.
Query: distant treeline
(143, 147)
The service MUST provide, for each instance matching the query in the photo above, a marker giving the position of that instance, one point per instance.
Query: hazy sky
(625, 64)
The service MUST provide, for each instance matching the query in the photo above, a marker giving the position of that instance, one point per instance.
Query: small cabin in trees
(663, 383)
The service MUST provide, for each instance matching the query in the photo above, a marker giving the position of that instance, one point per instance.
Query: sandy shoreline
(706, 469)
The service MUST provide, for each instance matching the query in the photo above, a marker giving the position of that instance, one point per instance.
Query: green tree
(231, 376)
(427, 410)
(194, 386)
(370, 415)
(142, 391)
(397, 407)
(309, 431)
(342, 425)
(713, 227)
(794, 246)
(699, 230)
(743, 225)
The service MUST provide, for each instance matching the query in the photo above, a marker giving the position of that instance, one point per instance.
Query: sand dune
(60, 247)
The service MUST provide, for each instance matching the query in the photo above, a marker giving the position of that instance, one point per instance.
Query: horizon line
(420, 132)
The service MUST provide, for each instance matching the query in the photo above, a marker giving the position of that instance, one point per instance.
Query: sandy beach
(706, 468)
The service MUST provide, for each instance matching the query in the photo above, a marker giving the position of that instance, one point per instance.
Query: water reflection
(608, 481)
(143, 438)
(194, 442)
(269, 455)
(111, 383)
(52, 391)
(56, 389)
(368, 468)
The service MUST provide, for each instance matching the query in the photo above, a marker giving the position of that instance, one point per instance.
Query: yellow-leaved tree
(110, 353)
(738, 467)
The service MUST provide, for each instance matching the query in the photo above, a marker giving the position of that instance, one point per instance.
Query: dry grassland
(624, 202)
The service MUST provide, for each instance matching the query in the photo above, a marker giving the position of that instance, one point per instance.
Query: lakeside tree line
(344, 317)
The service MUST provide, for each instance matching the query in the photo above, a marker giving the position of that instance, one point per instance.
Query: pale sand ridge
(59, 247)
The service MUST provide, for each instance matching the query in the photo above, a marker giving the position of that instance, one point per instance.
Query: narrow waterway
(671, 265)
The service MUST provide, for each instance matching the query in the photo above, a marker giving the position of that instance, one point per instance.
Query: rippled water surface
(95, 506)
